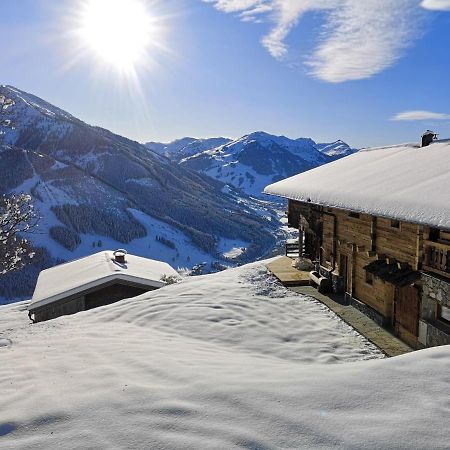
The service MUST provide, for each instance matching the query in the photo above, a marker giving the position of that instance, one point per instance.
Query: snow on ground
(241, 176)
(185, 254)
(234, 252)
(230, 360)
(232, 248)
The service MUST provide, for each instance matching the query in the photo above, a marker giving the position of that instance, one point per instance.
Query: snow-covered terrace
(403, 182)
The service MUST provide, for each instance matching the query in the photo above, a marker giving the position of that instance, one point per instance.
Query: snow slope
(86, 181)
(230, 360)
(403, 182)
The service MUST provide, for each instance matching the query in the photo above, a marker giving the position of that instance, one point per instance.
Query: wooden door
(406, 314)
(343, 272)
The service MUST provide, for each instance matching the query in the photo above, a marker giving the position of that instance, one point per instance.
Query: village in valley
(258, 291)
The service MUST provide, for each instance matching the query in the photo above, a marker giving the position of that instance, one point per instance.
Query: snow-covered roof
(85, 273)
(403, 182)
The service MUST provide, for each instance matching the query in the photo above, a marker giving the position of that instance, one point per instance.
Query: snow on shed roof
(403, 182)
(85, 273)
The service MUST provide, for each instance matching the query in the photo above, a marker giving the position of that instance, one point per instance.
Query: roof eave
(358, 211)
(80, 289)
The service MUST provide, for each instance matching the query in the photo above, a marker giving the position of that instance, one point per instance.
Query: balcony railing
(437, 257)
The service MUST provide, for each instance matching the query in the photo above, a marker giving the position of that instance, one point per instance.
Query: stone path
(385, 341)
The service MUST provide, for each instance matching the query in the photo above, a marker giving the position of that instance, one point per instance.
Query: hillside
(94, 188)
(223, 361)
(253, 161)
(185, 147)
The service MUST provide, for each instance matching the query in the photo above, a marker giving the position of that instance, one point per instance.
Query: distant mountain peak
(186, 147)
(256, 159)
(336, 149)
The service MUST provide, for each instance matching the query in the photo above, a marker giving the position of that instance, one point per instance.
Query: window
(395, 223)
(354, 215)
(369, 278)
(434, 234)
(444, 314)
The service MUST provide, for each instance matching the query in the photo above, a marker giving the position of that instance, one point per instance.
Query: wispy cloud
(420, 115)
(436, 5)
(357, 40)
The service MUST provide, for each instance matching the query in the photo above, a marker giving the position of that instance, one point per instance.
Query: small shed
(96, 280)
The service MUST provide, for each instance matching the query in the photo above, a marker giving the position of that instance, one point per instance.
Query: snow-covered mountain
(97, 189)
(336, 150)
(185, 147)
(253, 161)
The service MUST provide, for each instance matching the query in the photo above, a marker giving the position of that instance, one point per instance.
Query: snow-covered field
(230, 360)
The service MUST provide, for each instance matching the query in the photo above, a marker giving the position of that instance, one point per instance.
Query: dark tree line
(117, 224)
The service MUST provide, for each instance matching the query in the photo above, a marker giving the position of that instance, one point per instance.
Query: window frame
(439, 314)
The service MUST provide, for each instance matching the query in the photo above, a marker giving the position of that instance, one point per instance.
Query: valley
(194, 203)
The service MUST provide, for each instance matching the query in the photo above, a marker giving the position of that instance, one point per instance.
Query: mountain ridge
(93, 185)
(255, 160)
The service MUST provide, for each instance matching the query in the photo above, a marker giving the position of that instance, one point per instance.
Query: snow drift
(230, 360)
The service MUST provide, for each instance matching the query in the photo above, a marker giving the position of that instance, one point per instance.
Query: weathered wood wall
(346, 242)
(105, 294)
(112, 294)
(64, 307)
(361, 238)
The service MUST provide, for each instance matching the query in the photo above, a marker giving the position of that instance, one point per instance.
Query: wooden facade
(377, 263)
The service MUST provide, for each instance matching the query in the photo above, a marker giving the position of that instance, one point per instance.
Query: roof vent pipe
(119, 256)
(428, 137)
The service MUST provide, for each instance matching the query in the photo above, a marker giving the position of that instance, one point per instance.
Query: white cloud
(364, 38)
(420, 115)
(359, 38)
(436, 5)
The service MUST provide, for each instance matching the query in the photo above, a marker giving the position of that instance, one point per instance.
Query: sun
(118, 33)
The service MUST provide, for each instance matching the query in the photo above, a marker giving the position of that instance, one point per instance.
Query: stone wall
(435, 292)
(436, 335)
(367, 310)
(436, 289)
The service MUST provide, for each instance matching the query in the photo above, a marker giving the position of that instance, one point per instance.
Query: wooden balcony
(437, 257)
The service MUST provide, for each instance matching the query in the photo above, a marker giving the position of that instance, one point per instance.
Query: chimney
(428, 137)
(119, 256)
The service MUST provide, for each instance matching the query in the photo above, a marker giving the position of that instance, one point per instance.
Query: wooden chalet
(96, 280)
(377, 226)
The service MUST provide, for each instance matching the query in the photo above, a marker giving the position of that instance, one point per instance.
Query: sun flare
(118, 33)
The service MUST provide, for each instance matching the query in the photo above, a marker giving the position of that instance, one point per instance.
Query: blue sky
(325, 69)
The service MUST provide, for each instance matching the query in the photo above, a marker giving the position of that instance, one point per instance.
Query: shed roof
(403, 182)
(85, 273)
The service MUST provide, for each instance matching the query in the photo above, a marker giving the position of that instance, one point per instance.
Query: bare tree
(17, 217)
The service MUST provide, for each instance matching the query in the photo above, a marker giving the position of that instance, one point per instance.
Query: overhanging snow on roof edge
(402, 182)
